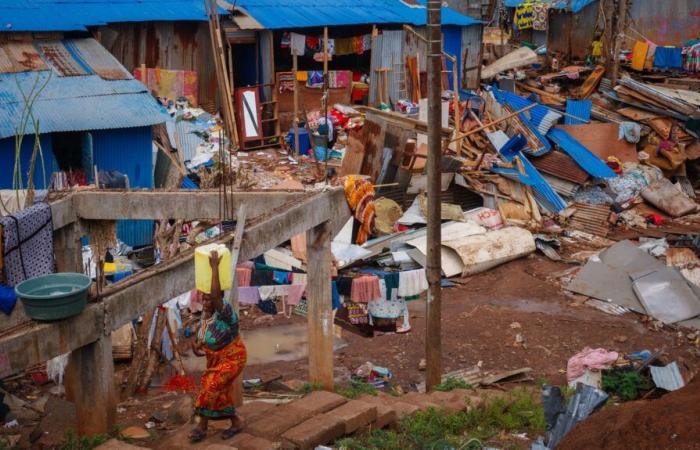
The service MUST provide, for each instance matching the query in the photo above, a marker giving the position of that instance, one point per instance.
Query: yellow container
(202, 269)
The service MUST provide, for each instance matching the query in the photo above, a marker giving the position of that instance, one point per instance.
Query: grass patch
(356, 389)
(307, 388)
(517, 412)
(452, 383)
(72, 441)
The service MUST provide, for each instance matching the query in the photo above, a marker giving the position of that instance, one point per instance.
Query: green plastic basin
(55, 296)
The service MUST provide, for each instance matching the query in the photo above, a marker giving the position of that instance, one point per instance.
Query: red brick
(354, 414)
(404, 409)
(278, 421)
(449, 401)
(252, 411)
(386, 414)
(258, 443)
(318, 430)
(319, 402)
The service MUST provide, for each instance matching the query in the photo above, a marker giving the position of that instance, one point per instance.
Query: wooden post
(619, 30)
(90, 378)
(67, 249)
(320, 313)
(433, 329)
(295, 68)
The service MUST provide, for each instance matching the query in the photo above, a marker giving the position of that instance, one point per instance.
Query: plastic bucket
(55, 296)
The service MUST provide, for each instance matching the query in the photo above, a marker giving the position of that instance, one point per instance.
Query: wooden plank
(35, 342)
(182, 204)
(320, 313)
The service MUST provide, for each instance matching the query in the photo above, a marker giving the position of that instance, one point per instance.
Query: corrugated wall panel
(387, 53)
(7, 161)
(129, 151)
(471, 52)
(667, 22)
(169, 45)
(572, 34)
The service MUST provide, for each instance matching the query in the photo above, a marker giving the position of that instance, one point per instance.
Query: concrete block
(354, 414)
(319, 402)
(318, 430)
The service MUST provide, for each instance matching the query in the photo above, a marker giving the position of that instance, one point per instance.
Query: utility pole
(619, 30)
(433, 339)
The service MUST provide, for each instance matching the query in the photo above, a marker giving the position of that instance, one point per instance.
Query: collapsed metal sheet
(607, 283)
(668, 377)
(666, 295)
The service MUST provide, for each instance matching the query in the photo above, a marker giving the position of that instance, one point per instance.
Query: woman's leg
(199, 432)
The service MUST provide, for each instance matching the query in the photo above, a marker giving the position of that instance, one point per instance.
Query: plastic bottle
(202, 269)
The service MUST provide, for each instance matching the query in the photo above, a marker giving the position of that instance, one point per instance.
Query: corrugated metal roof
(584, 157)
(67, 15)
(591, 218)
(78, 102)
(561, 166)
(281, 14)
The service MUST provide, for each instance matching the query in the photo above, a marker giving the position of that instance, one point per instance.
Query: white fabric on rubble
(412, 282)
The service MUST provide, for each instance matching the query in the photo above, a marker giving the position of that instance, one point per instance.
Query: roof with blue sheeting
(71, 15)
(281, 14)
(572, 5)
(84, 88)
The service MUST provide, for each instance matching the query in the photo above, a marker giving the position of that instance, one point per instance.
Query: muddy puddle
(267, 345)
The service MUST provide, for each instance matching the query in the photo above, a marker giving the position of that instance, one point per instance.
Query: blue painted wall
(7, 162)
(129, 151)
(452, 45)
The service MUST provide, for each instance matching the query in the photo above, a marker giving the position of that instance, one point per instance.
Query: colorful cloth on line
(668, 58)
(314, 79)
(540, 21)
(28, 243)
(365, 288)
(338, 79)
(524, 16)
(359, 193)
(215, 400)
(692, 58)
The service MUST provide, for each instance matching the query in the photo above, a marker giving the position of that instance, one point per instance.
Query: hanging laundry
(314, 79)
(692, 58)
(344, 46)
(297, 44)
(540, 20)
(392, 283)
(365, 288)
(299, 278)
(412, 282)
(243, 276)
(524, 16)
(639, 55)
(266, 292)
(262, 277)
(282, 277)
(294, 293)
(339, 79)
(366, 42)
(312, 44)
(268, 307)
(286, 39)
(248, 295)
(359, 193)
(286, 81)
(668, 58)
(28, 243)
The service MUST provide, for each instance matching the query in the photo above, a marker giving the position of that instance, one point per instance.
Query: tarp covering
(571, 5)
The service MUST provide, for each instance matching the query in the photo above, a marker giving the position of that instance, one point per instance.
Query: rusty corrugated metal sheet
(168, 45)
(20, 57)
(592, 219)
(61, 59)
(572, 34)
(101, 62)
(561, 166)
(667, 22)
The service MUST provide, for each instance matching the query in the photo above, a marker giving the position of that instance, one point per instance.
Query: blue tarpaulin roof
(572, 5)
(75, 103)
(68, 15)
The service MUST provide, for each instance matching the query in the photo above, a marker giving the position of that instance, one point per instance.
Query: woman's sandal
(230, 432)
(197, 435)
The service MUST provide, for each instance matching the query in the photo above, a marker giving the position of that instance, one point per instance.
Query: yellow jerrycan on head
(202, 269)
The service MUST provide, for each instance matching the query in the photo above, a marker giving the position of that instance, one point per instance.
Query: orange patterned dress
(226, 356)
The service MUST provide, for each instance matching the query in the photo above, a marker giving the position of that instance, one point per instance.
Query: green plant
(72, 441)
(452, 383)
(518, 411)
(356, 389)
(310, 387)
(625, 383)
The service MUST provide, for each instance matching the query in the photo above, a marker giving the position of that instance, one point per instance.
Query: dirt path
(481, 319)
